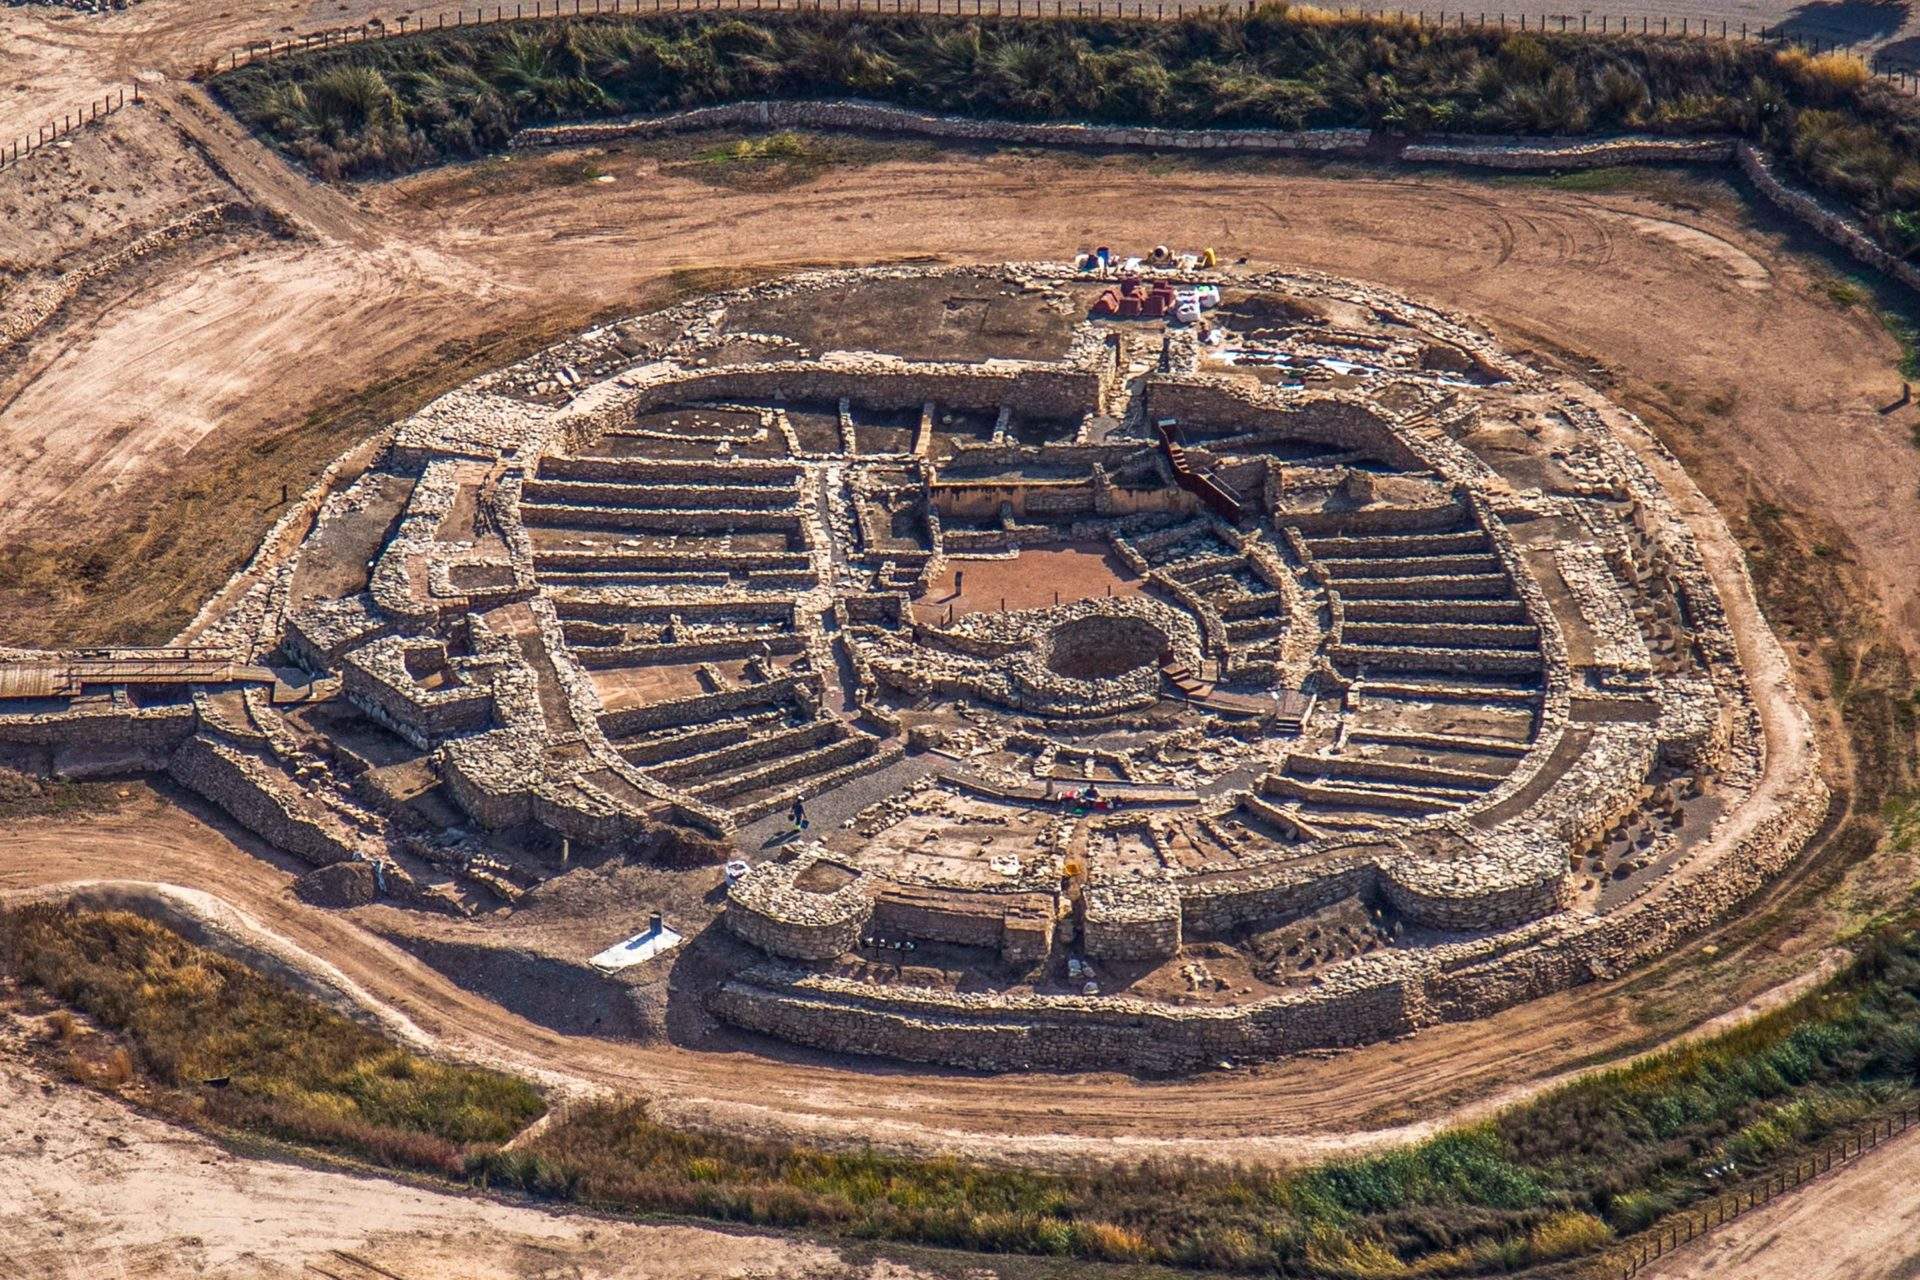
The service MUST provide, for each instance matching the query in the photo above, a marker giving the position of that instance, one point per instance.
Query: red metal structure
(1219, 499)
(1132, 300)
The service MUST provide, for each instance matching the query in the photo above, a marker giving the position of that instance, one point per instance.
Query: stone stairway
(1288, 711)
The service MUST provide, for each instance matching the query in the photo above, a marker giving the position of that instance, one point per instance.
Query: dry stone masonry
(1153, 692)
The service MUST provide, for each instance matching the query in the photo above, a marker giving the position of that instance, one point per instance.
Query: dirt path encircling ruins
(1291, 1112)
(379, 276)
(1664, 291)
(225, 345)
(1307, 1108)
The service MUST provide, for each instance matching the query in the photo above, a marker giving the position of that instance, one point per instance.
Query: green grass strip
(1556, 1177)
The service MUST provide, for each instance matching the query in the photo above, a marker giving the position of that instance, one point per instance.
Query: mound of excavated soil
(681, 848)
(343, 884)
(570, 998)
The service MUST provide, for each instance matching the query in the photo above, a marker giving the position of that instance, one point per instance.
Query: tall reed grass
(288, 1065)
(1554, 1178)
(394, 105)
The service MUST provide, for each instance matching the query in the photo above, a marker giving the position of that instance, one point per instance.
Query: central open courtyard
(1064, 682)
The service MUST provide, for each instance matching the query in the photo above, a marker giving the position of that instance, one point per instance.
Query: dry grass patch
(202, 1037)
(234, 1048)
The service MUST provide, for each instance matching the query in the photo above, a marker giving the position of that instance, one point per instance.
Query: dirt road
(1303, 1109)
(1861, 1222)
(1666, 291)
(446, 257)
(231, 341)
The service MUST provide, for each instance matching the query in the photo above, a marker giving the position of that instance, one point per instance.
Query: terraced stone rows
(1319, 660)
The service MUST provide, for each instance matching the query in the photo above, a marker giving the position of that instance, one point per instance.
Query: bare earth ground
(1861, 1223)
(1306, 1108)
(133, 419)
(513, 242)
(254, 332)
(95, 1189)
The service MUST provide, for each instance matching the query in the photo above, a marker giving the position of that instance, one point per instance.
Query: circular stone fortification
(1101, 646)
(1168, 697)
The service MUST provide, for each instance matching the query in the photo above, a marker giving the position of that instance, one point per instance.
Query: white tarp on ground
(641, 946)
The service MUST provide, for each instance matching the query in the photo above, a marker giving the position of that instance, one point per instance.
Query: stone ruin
(1158, 694)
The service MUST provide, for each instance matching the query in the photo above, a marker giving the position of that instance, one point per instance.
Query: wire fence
(1906, 77)
(18, 149)
(1675, 1232)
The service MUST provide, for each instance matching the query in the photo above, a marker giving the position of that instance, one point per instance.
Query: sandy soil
(1302, 1109)
(1666, 291)
(380, 274)
(1861, 1222)
(94, 1188)
(215, 350)
(114, 180)
(190, 379)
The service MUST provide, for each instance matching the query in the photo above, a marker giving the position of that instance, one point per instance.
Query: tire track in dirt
(169, 363)
(1211, 1118)
(1290, 1112)
(977, 207)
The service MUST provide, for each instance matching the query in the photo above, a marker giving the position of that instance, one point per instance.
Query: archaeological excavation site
(1012, 667)
(912, 641)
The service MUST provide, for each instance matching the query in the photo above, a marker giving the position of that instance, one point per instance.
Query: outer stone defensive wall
(1158, 691)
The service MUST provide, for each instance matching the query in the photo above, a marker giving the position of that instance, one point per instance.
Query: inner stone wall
(772, 586)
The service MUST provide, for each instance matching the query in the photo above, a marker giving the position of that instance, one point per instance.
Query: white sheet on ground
(641, 946)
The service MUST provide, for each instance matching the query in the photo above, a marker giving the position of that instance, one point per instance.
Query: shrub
(1109, 1243)
(106, 1071)
(1332, 1251)
(1758, 1142)
(1829, 75)
(1638, 1210)
(1552, 1179)
(292, 1067)
(393, 105)
(1897, 1055)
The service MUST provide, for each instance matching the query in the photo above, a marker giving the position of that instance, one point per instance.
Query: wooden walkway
(51, 675)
